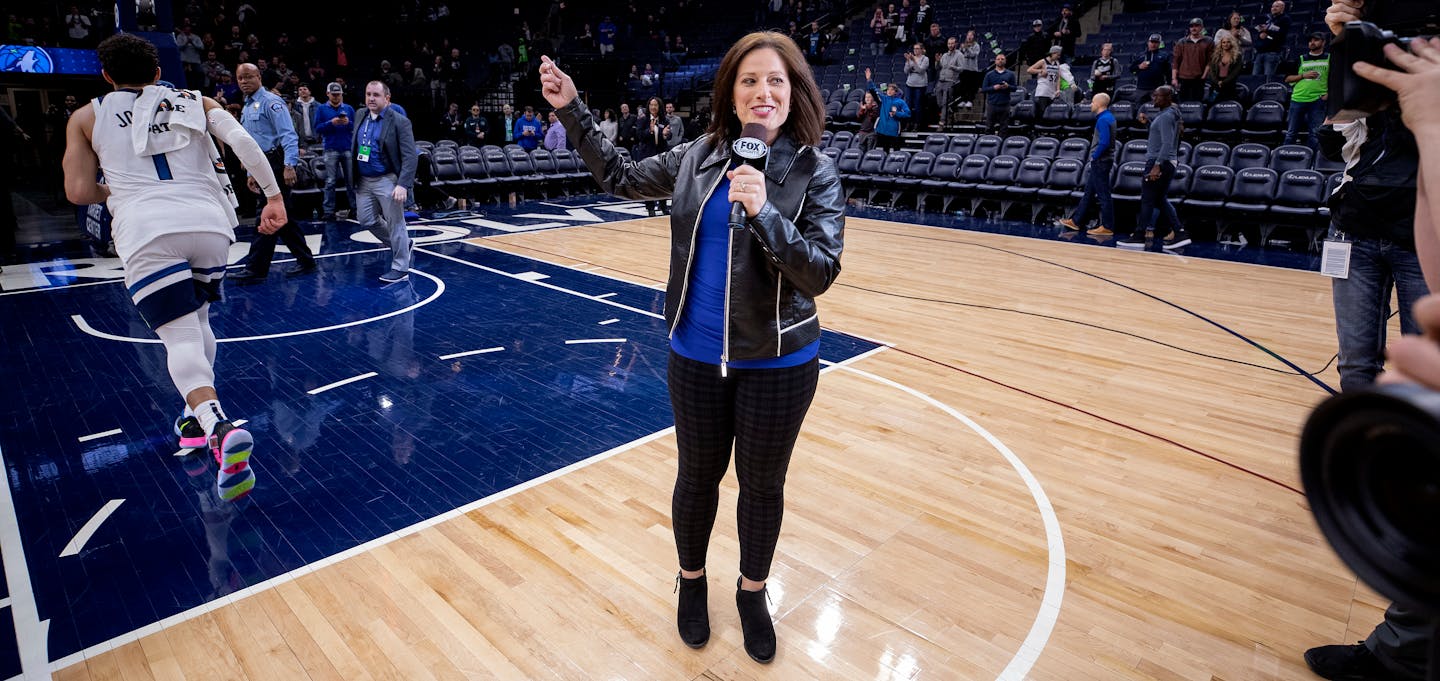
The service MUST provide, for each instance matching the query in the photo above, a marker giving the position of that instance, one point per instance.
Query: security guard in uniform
(267, 118)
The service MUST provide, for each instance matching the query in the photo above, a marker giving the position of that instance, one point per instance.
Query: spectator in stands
(555, 134)
(1035, 46)
(674, 127)
(606, 39)
(226, 91)
(935, 45)
(1049, 72)
(1102, 163)
(814, 43)
(893, 110)
(452, 124)
(475, 127)
(77, 28)
(608, 126)
(1224, 70)
(335, 121)
(1150, 69)
(1103, 71)
(1160, 156)
(1192, 56)
(879, 26)
(191, 47)
(917, 77)
(949, 74)
(1270, 37)
(212, 68)
(528, 130)
(507, 123)
(869, 114)
(970, 75)
(924, 16)
(997, 86)
(650, 140)
(1308, 97)
(303, 111)
(625, 128)
(1065, 31)
(1244, 40)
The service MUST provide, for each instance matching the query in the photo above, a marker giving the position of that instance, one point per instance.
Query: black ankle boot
(755, 623)
(692, 617)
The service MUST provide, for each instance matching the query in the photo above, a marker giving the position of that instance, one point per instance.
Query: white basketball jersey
(185, 190)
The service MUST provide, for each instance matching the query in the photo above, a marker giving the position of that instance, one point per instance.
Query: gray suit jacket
(397, 145)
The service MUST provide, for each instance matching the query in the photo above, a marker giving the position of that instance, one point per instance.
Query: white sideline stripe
(88, 529)
(31, 634)
(583, 341)
(608, 322)
(1049, 611)
(467, 353)
(531, 276)
(336, 384)
(605, 295)
(439, 289)
(97, 436)
(183, 452)
(273, 582)
(552, 287)
(4, 602)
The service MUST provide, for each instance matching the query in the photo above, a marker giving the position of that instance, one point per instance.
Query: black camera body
(1393, 22)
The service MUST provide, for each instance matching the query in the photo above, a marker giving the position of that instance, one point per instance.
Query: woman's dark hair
(128, 59)
(659, 105)
(609, 114)
(807, 112)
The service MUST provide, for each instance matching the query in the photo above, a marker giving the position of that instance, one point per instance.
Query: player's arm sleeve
(225, 127)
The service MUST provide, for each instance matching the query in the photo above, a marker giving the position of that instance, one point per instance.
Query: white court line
(88, 529)
(273, 582)
(4, 602)
(604, 296)
(608, 322)
(467, 353)
(583, 341)
(32, 635)
(552, 287)
(439, 289)
(97, 436)
(532, 276)
(336, 384)
(1044, 624)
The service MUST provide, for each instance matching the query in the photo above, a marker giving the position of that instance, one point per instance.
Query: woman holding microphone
(739, 304)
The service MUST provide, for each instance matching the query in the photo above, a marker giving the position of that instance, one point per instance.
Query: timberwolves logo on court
(25, 59)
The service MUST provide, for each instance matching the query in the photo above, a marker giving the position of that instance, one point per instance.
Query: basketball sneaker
(231, 446)
(189, 432)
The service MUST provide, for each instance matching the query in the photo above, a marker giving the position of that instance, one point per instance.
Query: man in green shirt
(1307, 100)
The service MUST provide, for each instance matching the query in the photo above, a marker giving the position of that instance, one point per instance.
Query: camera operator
(1397, 648)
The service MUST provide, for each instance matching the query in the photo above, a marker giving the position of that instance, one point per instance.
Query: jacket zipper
(690, 257)
(725, 334)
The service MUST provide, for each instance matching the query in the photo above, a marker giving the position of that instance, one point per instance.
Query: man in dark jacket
(1065, 31)
(384, 162)
(1035, 46)
(1151, 69)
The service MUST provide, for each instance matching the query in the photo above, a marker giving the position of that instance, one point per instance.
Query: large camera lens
(1370, 463)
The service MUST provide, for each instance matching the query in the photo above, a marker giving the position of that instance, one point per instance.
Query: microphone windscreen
(755, 130)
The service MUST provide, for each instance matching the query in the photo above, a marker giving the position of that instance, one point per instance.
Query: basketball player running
(174, 217)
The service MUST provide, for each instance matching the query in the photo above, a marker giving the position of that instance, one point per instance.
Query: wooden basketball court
(1125, 506)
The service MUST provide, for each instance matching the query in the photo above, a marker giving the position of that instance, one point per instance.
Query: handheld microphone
(751, 150)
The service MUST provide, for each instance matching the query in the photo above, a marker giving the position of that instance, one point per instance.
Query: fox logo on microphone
(751, 148)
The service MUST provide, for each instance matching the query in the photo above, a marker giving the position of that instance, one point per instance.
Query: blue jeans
(1155, 202)
(1266, 63)
(1313, 113)
(336, 161)
(1097, 185)
(915, 97)
(1362, 306)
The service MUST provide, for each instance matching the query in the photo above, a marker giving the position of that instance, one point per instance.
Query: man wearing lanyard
(384, 164)
(267, 119)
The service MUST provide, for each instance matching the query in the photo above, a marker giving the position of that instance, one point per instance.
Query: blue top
(527, 143)
(335, 137)
(886, 124)
(1164, 135)
(267, 118)
(1157, 74)
(370, 136)
(993, 78)
(700, 335)
(399, 109)
(1104, 136)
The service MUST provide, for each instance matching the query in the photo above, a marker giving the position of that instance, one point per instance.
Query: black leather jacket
(789, 254)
